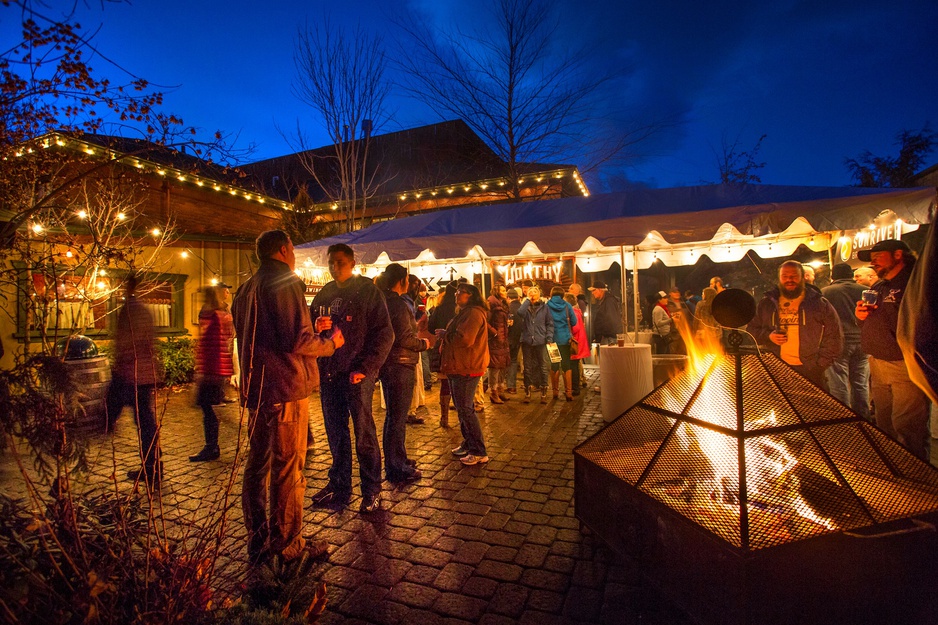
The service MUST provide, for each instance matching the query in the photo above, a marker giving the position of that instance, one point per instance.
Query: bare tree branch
(341, 77)
(529, 97)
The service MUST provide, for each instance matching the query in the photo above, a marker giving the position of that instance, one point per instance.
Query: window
(57, 304)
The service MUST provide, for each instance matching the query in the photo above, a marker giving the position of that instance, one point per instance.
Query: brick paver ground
(488, 544)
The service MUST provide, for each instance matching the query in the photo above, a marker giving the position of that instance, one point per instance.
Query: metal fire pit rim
(746, 552)
(780, 429)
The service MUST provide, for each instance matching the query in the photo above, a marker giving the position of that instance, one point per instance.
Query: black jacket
(820, 340)
(606, 317)
(406, 347)
(358, 309)
(277, 346)
(878, 332)
(843, 295)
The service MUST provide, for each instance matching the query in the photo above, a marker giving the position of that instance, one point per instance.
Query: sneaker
(471, 459)
(460, 451)
(370, 503)
(328, 497)
(207, 453)
(415, 420)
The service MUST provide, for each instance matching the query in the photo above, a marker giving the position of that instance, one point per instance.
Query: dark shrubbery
(176, 358)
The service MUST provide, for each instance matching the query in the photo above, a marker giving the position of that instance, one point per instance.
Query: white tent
(637, 227)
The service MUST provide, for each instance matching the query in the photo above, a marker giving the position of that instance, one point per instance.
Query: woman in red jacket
(213, 364)
(464, 357)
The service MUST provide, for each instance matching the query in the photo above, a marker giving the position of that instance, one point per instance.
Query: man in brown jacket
(278, 350)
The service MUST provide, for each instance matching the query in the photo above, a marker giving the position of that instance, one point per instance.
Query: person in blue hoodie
(564, 319)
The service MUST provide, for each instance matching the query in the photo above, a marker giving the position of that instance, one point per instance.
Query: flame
(771, 480)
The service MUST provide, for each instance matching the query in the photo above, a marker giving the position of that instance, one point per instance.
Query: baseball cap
(599, 284)
(662, 294)
(889, 245)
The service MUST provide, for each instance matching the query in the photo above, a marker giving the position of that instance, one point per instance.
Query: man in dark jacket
(398, 375)
(901, 406)
(605, 315)
(849, 375)
(354, 305)
(798, 325)
(515, 328)
(277, 350)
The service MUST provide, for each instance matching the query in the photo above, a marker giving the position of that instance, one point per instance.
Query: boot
(543, 394)
(444, 413)
(555, 383)
(527, 394)
(567, 385)
(494, 397)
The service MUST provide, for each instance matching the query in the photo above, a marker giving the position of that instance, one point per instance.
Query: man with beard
(901, 407)
(798, 325)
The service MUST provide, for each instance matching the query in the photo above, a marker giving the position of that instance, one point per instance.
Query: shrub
(176, 358)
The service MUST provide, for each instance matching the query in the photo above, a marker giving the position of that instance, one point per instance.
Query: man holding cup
(348, 378)
(798, 325)
(901, 407)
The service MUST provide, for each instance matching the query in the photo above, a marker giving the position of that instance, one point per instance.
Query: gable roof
(442, 154)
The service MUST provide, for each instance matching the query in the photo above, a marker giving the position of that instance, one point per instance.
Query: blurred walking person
(213, 364)
(133, 380)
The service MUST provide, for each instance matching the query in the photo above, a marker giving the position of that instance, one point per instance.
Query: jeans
(425, 364)
(397, 381)
(274, 472)
(142, 400)
(209, 393)
(901, 407)
(849, 379)
(536, 365)
(511, 376)
(464, 389)
(575, 375)
(342, 400)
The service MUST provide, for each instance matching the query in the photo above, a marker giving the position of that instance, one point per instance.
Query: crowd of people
(358, 332)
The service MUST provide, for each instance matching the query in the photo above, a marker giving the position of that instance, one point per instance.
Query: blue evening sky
(823, 79)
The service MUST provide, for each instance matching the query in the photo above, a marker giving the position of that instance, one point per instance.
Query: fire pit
(749, 495)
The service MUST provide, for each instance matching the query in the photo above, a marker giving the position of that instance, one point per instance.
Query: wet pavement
(495, 543)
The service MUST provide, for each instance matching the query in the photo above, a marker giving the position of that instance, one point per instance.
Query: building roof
(436, 155)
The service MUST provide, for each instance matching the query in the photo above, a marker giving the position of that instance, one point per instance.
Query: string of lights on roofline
(488, 184)
(498, 183)
(147, 166)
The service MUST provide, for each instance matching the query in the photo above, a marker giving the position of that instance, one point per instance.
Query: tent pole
(625, 292)
(636, 300)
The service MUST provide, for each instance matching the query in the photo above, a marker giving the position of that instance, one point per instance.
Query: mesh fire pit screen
(746, 448)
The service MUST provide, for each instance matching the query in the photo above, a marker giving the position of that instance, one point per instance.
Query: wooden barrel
(91, 376)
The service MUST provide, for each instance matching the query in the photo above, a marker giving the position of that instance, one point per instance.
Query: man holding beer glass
(901, 408)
